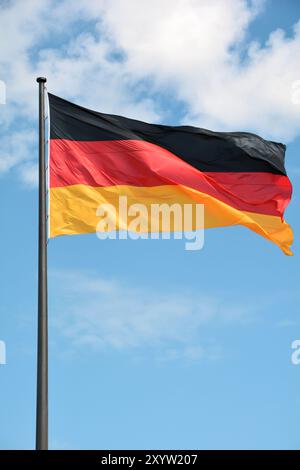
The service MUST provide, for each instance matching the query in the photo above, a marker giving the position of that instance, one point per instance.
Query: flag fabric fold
(95, 157)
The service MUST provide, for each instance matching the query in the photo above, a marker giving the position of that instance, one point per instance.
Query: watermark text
(2, 92)
(295, 357)
(154, 221)
(2, 353)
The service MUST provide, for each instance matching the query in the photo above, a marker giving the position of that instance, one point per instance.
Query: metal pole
(42, 352)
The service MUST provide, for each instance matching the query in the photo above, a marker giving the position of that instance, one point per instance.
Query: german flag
(95, 158)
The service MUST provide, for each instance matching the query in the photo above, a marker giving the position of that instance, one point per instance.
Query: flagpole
(42, 351)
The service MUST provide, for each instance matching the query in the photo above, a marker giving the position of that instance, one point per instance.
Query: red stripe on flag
(140, 163)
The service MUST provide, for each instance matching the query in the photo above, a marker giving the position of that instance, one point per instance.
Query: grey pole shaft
(42, 352)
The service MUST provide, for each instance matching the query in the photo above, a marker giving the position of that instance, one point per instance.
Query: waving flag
(94, 158)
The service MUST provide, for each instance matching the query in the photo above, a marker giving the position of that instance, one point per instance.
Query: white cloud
(96, 313)
(16, 147)
(29, 174)
(195, 50)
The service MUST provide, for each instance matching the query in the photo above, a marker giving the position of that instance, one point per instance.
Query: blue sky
(151, 346)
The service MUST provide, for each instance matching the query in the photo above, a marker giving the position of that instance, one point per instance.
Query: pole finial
(41, 80)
